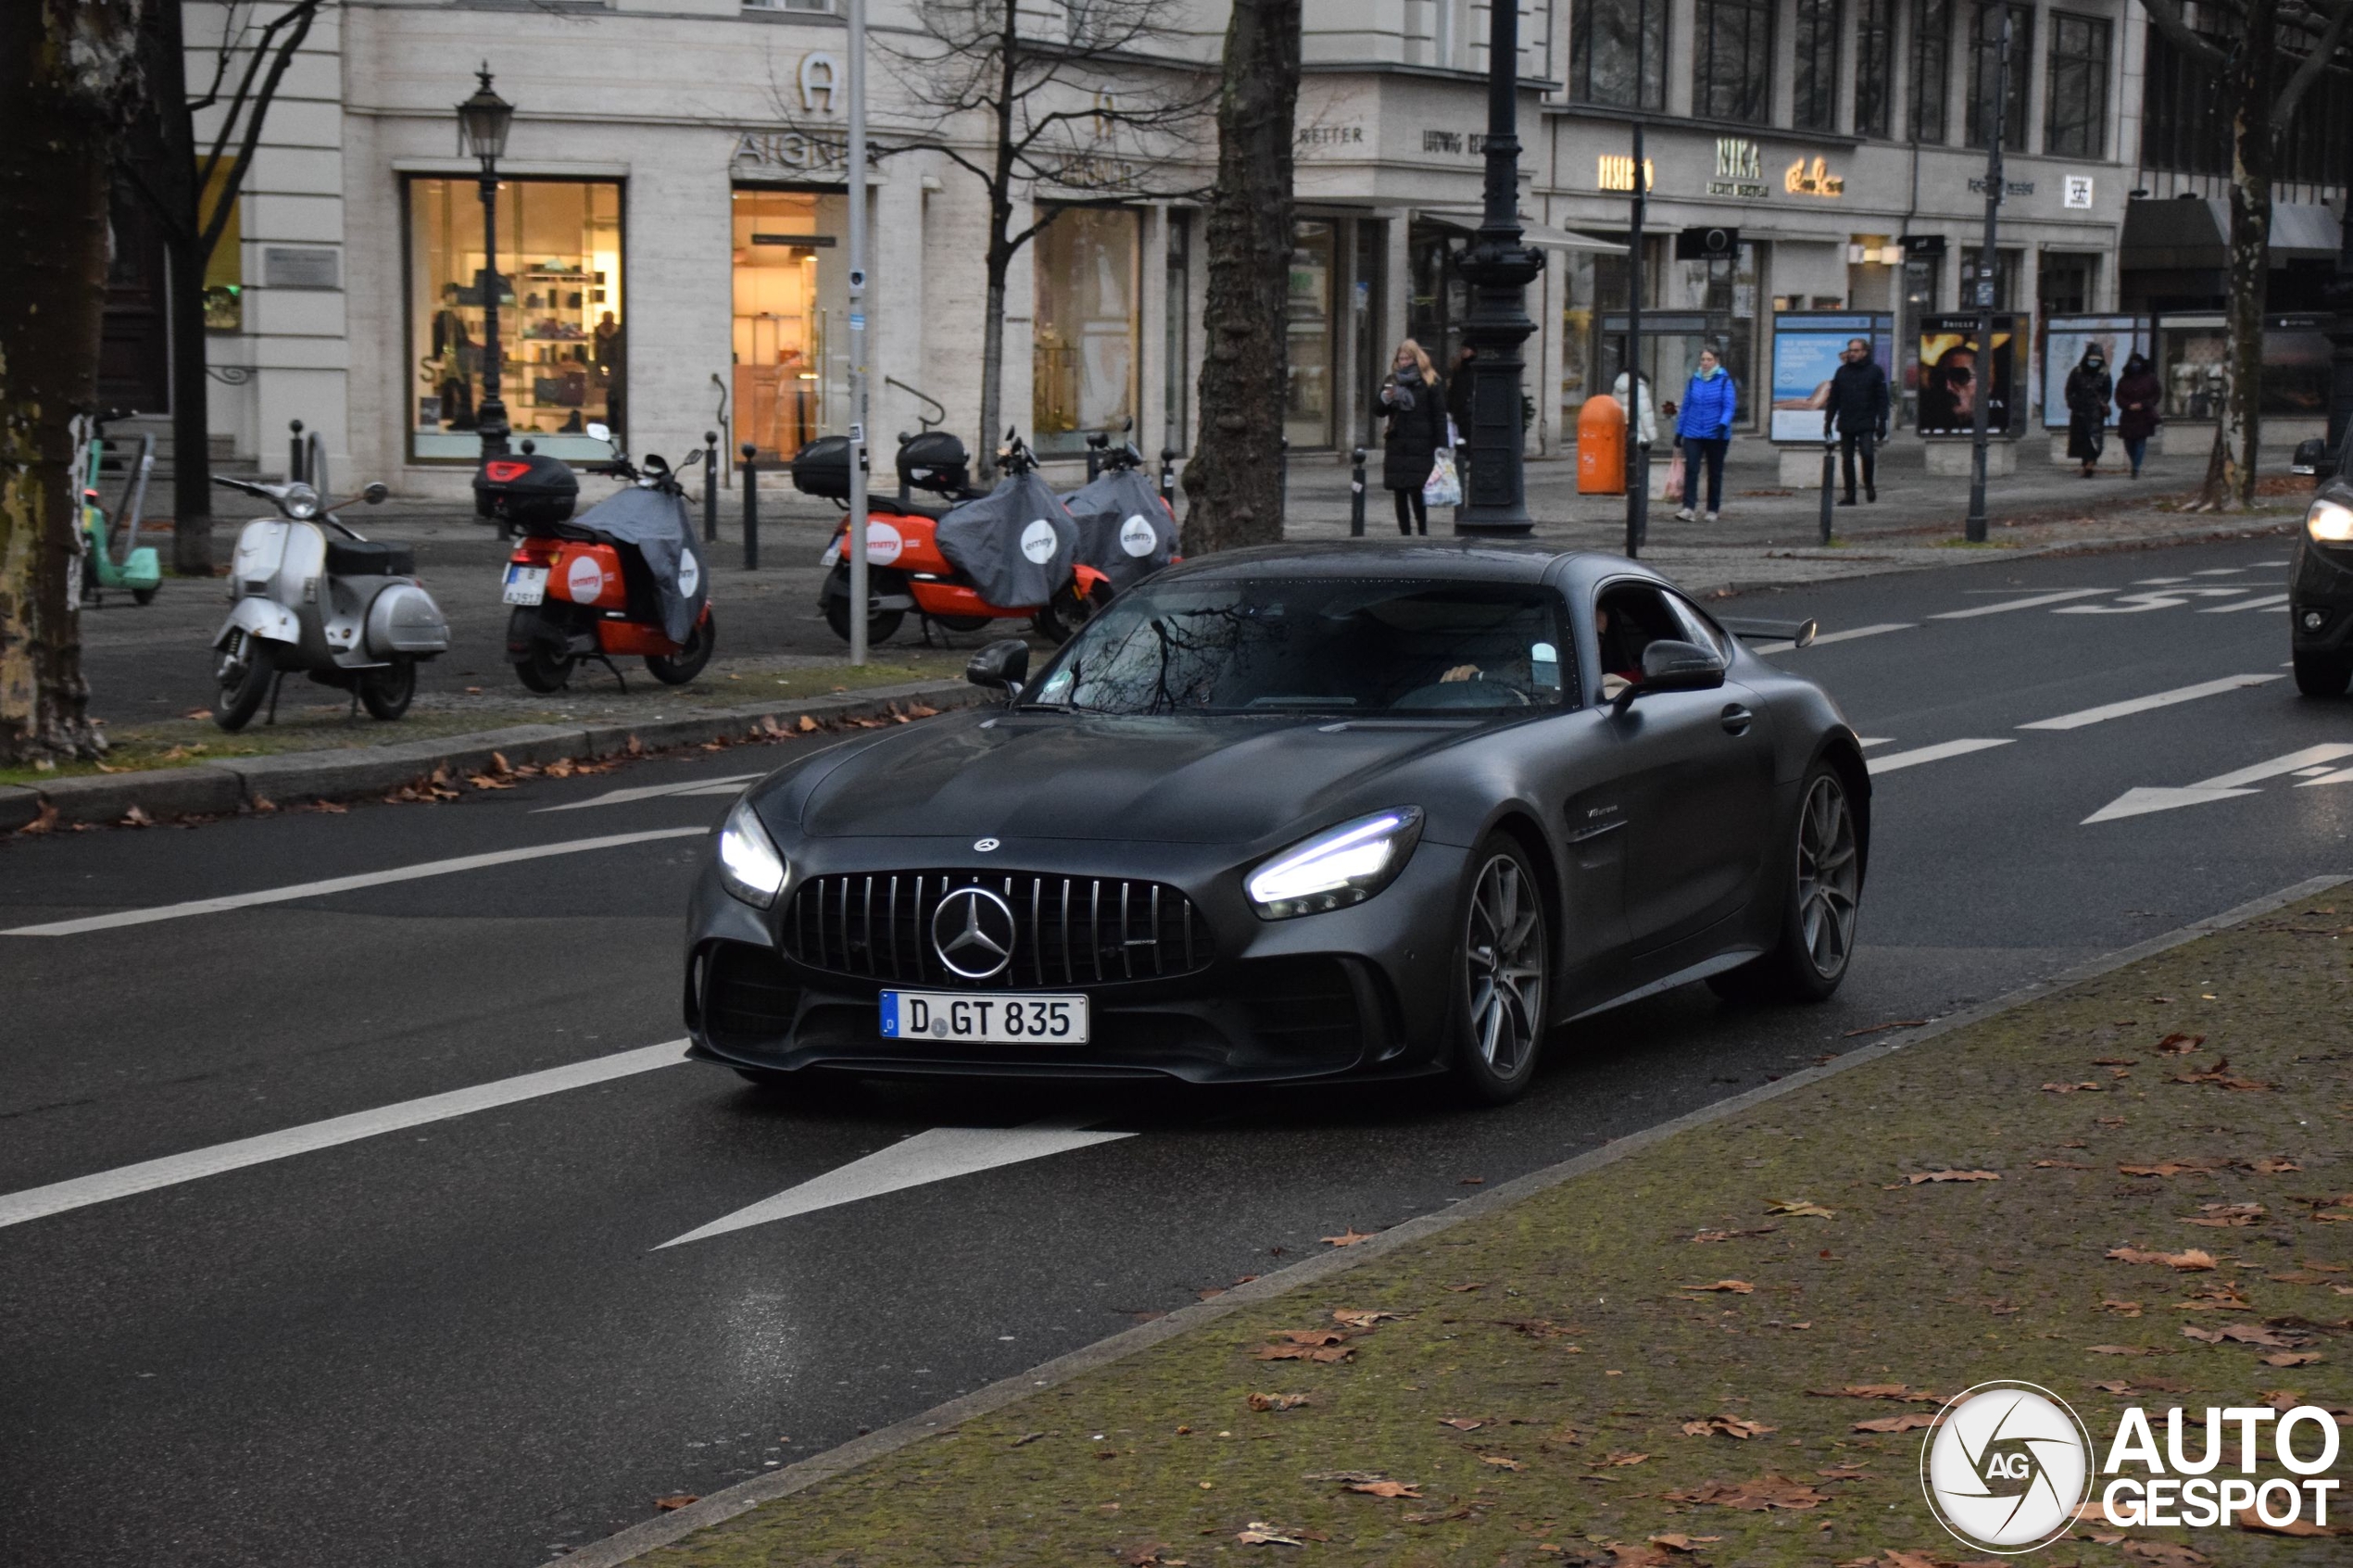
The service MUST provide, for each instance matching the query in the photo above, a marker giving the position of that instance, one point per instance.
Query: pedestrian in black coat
(1413, 398)
(2088, 391)
(1858, 413)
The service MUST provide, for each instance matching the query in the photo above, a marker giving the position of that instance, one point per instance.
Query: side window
(1698, 628)
(1627, 617)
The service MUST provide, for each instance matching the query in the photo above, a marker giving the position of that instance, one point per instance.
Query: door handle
(1736, 719)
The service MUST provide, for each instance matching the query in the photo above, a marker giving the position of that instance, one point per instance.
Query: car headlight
(1337, 867)
(749, 863)
(2330, 521)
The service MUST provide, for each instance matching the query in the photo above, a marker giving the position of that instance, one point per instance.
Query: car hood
(1179, 780)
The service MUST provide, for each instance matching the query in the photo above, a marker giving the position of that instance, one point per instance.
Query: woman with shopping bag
(1413, 401)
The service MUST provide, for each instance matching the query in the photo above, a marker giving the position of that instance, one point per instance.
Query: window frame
(1752, 76)
(1932, 35)
(1874, 67)
(2017, 130)
(1650, 93)
(2086, 69)
(1814, 77)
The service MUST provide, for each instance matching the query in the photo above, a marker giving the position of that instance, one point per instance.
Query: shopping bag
(1675, 476)
(1444, 487)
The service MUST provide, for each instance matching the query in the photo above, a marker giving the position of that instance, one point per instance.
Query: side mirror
(1671, 665)
(375, 493)
(1002, 665)
(2312, 457)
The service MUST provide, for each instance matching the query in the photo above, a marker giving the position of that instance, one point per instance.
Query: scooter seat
(370, 558)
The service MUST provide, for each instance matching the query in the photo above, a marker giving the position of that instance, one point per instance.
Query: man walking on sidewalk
(1858, 408)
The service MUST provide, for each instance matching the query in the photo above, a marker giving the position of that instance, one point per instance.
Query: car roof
(1478, 561)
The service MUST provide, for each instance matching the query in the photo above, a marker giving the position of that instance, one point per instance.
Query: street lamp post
(2341, 341)
(1996, 118)
(856, 154)
(483, 121)
(1499, 268)
(1638, 472)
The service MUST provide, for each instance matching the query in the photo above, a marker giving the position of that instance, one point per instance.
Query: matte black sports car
(1290, 813)
(2320, 604)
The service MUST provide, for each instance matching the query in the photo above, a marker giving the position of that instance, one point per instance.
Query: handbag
(1674, 491)
(1444, 487)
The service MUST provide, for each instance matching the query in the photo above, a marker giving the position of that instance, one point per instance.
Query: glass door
(790, 301)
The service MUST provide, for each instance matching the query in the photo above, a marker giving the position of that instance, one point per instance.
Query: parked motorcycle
(348, 611)
(962, 562)
(624, 578)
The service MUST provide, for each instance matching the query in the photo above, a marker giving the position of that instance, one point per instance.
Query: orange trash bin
(1601, 447)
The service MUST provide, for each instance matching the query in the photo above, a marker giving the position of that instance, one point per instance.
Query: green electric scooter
(139, 572)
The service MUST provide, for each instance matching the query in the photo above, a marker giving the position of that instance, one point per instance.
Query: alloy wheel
(1828, 877)
(1504, 958)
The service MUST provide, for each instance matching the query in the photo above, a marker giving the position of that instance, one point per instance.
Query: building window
(1985, 47)
(1931, 69)
(818, 5)
(1874, 67)
(1307, 399)
(1814, 99)
(564, 357)
(1732, 60)
(2064, 283)
(224, 273)
(1083, 356)
(2075, 123)
(1604, 49)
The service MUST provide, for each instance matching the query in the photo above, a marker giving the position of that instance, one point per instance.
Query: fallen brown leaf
(2169, 1168)
(1917, 1177)
(1474, 1285)
(1501, 1461)
(667, 1505)
(2247, 1519)
(1728, 1236)
(2189, 1261)
(2240, 1333)
(1874, 1391)
(2180, 1044)
(1910, 1420)
(1359, 1318)
(1730, 1426)
(2072, 1088)
(1349, 1237)
(2121, 1308)
(1278, 1401)
(1730, 1287)
(1677, 1541)
(2061, 1165)
(1757, 1495)
(1801, 1208)
(1461, 1423)
(1258, 1532)
(1302, 1352)
(1619, 1461)
(2118, 1349)
(2273, 1167)
(2293, 1358)
(1388, 1489)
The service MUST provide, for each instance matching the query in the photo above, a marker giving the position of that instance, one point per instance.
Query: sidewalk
(1716, 1343)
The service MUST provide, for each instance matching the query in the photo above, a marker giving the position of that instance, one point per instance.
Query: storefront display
(791, 291)
(1083, 359)
(2063, 340)
(1953, 376)
(2193, 362)
(564, 362)
(1806, 350)
(1308, 400)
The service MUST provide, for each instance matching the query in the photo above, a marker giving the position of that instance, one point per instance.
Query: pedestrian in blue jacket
(1705, 426)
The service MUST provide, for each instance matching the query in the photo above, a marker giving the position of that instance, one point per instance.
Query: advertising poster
(1953, 376)
(2116, 337)
(1806, 345)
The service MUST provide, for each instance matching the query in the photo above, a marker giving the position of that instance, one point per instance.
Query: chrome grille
(1067, 930)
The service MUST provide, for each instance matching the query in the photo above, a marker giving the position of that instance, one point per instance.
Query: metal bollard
(1169, 456)
(751, 509)
(710, 487)
(1356, 494)
(295, 470)
(1830, 462)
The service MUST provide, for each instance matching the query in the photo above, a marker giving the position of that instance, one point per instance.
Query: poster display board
(1955, 374)
(1806, 345)
(2063, 340)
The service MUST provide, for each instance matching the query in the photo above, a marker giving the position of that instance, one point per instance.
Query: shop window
(1363, 287)
(2075, 116)
(1308, 398)
(1874, 67)
(2064, 283)
(564, 356)
(1083, 358)
(1436, 297)
(1931, 69)
(1732, 60)
(224, 274)
(1605, 48)
(791, 291)
(1985, 48)
(1814, 97)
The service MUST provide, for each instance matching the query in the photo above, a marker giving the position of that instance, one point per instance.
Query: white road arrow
(2223, 787)
(935, 1156)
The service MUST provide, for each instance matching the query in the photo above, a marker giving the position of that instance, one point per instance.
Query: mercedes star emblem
(973, 933)
(984, 845)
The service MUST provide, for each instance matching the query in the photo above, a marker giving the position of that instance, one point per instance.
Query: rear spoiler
(1797, 633)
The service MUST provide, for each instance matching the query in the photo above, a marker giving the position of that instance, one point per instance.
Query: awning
(1544, 236)
(2192, 233)
(2304, 231)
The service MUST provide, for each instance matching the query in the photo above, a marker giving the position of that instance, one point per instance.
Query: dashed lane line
(1846, 636)
(1936, 753)
(344, 883)
(727, 785)
(2030, 602)
(2269, 601)
(2144, 704)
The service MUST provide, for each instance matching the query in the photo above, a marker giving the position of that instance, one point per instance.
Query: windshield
(1345, 645)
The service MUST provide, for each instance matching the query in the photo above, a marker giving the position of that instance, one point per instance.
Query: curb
(238, 783)
(719, 1506)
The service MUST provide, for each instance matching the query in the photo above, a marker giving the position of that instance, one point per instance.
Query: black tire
(543, 670)
(143, 595)
(964, 623)
(1060, 618)
(2323, 674)
(881, 624)
(387, 692)
(1503, 962)
(1809, 958)
(678, 669)
(244, 674)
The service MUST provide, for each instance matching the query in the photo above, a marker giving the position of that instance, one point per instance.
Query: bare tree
(1102, 106)
(2265, 55)
(1234, 483)
(68, 82)
(159, 161)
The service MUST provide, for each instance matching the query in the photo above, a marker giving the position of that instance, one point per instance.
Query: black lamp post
(482, 120)
(1498, 268)
(2341, 358)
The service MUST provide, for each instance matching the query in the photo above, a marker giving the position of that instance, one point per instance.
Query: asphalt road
(433, 1338)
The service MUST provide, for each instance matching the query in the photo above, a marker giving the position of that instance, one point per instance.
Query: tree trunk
(992, 365)
(1234, 483)
(2253, 146)
(163, 155)
(68, 77)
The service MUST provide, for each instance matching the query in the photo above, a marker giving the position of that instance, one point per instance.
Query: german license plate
(527, 584)
(988, 1021)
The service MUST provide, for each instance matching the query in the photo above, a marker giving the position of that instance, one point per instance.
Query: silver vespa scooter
(348, 612)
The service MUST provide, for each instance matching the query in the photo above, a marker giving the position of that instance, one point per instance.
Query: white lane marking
(344, 883)
(2140, 604)
(2143, 704)
(1867, 742)
(34, 1204)
(2152, 582)
(935, 1156)
(1846, 636)
(2319, 771)
(2030, 602)
(2259, 565)
(2140, 801)
(2340, 775)
(2269, 601)
(651, 792)
(2220, 571)
(1936, 753)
